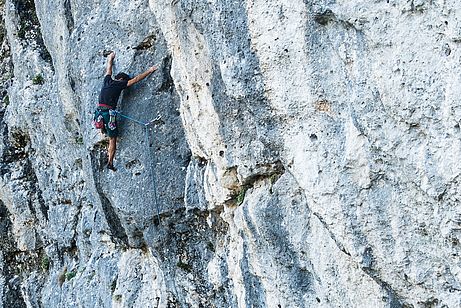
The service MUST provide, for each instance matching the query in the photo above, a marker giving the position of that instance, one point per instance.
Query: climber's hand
(112, 56)
(152, 69)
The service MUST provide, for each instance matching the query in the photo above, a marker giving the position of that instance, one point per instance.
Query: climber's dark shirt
(111, 90)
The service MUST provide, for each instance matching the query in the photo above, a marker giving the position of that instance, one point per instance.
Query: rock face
(305, 154)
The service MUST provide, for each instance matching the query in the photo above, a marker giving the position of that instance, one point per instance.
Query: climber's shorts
(110, 122)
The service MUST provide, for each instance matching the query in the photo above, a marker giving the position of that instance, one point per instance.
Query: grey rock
(298, 154)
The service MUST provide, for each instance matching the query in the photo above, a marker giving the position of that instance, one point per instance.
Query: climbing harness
(146, 126)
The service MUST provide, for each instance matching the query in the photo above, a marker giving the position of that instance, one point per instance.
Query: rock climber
(108, 98)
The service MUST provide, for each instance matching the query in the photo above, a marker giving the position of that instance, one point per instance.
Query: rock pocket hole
(325, 17)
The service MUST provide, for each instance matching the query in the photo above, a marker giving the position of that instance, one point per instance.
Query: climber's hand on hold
(110, 59)
(152, 69)
(141, 76)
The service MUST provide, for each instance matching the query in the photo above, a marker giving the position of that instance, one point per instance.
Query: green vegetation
(79, 140)
(70, 275)
(38, 80)
(241, 195)
(45, 263)
(6, 100)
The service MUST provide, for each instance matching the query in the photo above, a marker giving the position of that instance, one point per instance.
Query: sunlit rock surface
(304, 154)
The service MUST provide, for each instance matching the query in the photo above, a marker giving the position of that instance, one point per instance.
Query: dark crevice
(43, 206)
(325, 17)
(167, 83)
(15, 146)
(113, 220)
(72, 83)
(35, 190)
(29, 30)
(272, 170)
(68, 15)
(12, 296)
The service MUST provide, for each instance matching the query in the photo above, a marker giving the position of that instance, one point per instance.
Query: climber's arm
(110, 60)
(141, 76)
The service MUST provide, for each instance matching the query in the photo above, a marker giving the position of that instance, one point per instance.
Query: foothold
(146, 43)
(325, 17)
(447, 50)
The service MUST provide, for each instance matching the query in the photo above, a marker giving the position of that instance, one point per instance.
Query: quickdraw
(112, 119)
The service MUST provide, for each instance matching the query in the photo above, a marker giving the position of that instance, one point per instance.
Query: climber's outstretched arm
(110, 60)
(141, 76)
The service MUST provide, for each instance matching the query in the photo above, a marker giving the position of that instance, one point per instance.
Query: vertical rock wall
(305, 154)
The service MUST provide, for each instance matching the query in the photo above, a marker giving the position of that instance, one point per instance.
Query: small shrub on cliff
(79, 140)
(241, 195)
(38, 80)
(45, 263)
(70, 275)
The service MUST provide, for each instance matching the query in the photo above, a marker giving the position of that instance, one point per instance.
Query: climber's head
(122, 76)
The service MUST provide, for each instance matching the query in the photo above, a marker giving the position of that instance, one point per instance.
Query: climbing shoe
(111, 167)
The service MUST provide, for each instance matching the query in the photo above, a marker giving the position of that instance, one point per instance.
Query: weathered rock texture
(307, 154)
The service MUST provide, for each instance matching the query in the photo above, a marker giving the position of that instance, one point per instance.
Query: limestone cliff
(305, 154)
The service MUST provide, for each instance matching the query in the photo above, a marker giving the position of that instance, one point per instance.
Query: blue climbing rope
(130, 118)
(151, 169)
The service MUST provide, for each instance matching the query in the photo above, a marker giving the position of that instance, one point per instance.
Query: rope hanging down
(146, 135)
